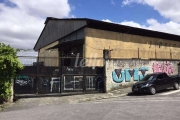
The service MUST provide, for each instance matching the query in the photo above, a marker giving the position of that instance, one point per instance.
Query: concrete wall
(128, 46)
(49, 57)
(122, 73)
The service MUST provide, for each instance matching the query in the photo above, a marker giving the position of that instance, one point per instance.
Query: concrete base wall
(123, 73)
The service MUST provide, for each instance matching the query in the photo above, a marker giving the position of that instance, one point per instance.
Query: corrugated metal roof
(56, 28)
(131, 30)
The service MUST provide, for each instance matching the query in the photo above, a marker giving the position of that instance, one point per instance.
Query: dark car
(155, 82)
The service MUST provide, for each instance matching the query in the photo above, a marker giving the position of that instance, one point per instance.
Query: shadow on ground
(19, 96)
(145, 94)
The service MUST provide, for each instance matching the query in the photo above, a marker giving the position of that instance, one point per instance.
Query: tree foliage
(9, 64)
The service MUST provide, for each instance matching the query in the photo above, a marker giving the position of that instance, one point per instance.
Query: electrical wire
(93, 47)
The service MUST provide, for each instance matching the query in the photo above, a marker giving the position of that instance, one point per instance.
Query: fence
(41, 79)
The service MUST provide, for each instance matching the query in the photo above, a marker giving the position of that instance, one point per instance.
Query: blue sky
(22, 21)
(114, 11)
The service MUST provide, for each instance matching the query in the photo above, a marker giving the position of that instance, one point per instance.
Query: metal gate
(37, 79)
(45, 80)
(82, 79)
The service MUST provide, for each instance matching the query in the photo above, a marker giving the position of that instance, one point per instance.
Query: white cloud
(107, 20)
(128, 2)
(22, 21)
(169, 27)
(27, 53)
(152, 24)
(168, 9)
(44, 8)
(131, 23)
(112, 2)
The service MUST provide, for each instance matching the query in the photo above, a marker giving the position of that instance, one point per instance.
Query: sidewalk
(24, 103)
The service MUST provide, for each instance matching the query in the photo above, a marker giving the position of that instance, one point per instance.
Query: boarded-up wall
(129, 46)
(50, 57)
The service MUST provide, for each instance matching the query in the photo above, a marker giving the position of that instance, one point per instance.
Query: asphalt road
(165, 105)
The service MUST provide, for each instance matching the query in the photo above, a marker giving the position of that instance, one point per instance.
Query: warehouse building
(125, 53)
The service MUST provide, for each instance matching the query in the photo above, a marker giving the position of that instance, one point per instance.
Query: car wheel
(152, 90)
(176, 86)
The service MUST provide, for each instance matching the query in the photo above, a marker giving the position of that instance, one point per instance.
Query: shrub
(9, 64)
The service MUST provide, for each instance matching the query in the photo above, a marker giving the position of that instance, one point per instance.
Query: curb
(99, 98)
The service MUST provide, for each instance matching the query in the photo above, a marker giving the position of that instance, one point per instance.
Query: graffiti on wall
(55, 84)
(25, 80)
(131, 63)
(137, 73)
(166, 67)
(119, 75)
(50, 84)
(44, 81)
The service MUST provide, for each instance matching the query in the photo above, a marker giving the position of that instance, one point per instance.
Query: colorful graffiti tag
(24, 80)
(163, 67)
(119, 75)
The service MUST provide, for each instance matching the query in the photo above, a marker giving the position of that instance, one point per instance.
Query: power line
(93, 47)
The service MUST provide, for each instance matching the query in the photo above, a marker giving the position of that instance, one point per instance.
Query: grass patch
(2, 108)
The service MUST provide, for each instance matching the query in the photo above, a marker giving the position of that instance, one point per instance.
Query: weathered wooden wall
(49, 57)
(129, 46)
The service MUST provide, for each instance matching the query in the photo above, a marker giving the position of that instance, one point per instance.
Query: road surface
(165, 105)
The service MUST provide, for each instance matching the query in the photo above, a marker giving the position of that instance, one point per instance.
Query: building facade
(131, 52)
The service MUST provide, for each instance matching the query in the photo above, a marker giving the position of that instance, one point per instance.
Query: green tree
(9, 64)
